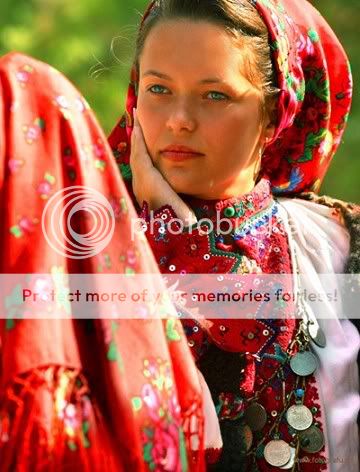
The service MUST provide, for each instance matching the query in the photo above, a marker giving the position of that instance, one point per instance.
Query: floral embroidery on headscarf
(33, 131)
(23, 74)
(309, 61)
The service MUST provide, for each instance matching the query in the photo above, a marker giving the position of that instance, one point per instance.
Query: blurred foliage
(92, 43)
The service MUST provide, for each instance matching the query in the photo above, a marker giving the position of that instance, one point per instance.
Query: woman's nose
(182, 117)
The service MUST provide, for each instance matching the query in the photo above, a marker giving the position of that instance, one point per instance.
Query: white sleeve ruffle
(321, 246)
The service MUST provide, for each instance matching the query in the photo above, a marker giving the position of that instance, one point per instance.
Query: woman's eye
(217, 96)
(158, 89)
(161, 90)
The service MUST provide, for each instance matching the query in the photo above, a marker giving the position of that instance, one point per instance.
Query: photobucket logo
(78, 222)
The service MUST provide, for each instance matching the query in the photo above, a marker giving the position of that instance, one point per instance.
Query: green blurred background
(91, 42)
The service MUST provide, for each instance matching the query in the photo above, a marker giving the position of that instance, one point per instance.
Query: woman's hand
(148, 183)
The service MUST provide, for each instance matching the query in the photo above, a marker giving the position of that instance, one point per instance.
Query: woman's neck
(236, 191)
(241, 185)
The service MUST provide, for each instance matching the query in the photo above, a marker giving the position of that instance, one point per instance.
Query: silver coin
(299, 417)
(291, 462)
(255, 416)
(316, 333)
(311, 440)
(304, 363)
(277, 453)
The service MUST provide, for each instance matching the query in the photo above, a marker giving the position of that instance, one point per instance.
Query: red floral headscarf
(315, 84)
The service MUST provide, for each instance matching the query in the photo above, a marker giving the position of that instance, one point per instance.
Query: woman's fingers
(144, 175)
(134, 142)
(139, 157)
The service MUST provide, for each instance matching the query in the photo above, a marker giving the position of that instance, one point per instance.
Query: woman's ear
(269, 132)
(271, 119)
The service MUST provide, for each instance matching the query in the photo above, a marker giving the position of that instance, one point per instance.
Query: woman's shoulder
(327, 229)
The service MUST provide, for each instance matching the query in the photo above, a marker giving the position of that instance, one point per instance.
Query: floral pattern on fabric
(163, 446)
(313, 104)
(66, 384)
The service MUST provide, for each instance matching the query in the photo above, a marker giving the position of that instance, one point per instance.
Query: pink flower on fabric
(109, 328)
(165, 449)
(115, 205)
(68, 415)
(62, 101)
(98, 150)
(131, 257)
(32, 133)
(44, 188)
(305, 45)
(26, 224)
(15, 164)
(174, 406)
(43, 287)
(152, 401)
(22, 76)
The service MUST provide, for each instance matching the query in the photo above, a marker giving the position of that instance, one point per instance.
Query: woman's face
(194, 96)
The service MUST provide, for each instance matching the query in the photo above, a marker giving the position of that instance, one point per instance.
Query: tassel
(247, 385)
(212, 455)
(28, 418)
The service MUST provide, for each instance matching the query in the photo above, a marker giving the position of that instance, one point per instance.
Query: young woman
(240, 107)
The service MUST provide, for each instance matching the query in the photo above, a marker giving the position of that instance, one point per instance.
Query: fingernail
(134, 115)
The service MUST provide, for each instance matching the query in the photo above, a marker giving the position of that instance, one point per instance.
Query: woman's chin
(183, 188)
(181, 183)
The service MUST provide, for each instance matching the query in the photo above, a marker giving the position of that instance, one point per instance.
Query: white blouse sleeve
(320, 245)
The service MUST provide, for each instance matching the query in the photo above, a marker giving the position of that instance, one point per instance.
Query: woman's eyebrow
(210, 80)
(157, 74)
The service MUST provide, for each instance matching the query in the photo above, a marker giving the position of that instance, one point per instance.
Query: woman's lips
(180, 153)
(180, 156)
